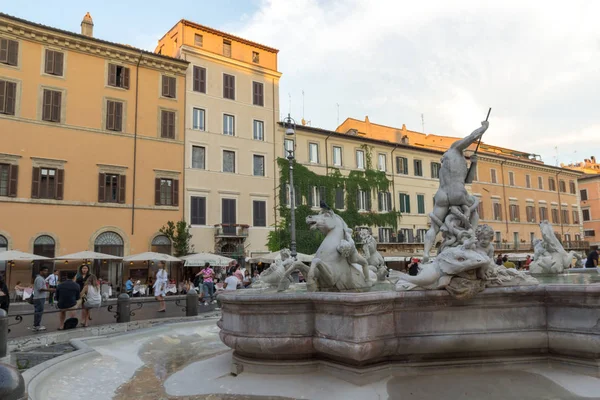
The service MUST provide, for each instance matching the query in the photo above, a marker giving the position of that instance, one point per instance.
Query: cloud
(536, 64)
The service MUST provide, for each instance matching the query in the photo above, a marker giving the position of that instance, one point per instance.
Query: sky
(435, 64)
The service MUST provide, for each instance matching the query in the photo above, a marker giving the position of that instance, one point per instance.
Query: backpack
(198, 281)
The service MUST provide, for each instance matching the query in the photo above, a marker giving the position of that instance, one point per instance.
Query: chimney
(87, 25)
(594, 159)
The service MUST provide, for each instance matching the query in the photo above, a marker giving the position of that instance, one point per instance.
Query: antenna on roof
(423, 122)
(303, 104)
(290, 97)
(338, 113)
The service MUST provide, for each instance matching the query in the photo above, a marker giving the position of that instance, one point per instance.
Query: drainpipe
(275, 197)
(506, 215)
(135, 127)
(182, 189)
(560, 220)
(327, 155)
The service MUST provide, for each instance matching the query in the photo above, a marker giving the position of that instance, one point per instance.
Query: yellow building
(92, 143)
(589, 188)
(232, 106)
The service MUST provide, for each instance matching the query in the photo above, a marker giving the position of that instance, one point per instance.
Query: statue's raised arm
(464, 143)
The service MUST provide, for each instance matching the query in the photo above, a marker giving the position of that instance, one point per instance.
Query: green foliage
(307, 240)
(180, 236)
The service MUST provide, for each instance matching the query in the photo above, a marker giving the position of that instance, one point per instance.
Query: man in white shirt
(231, 282)
(52, 282)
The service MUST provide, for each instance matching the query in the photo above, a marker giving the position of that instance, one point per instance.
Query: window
(255, 57)
(589, 233)
(52, 105)
(288, 146)
(118, 76)
(498, 237)
(198, 157)
(382, 162)
(228, 125)
(575, 217)
(313, 153)
(418, 165)
(530, 211)
(555, 216)
(228, 87)
(540, 183)
(199, 80)
(198, 211)
(169, 87)
(420, 204)
(8, 180)
(114, 116)
(47, 183)
(421, 235)
(258, 94)
(385, 235)
(8, 97)
(166, 192)
(583, 194)
(384, 201)
(572, 188)
(497, 211)
(337, 156)
(229, 216)
(198, 40)
(404, 203)
(564, 216)
(480, 209)
(228, 161)
(511, 178)
(339, 198)
(53, 64)
(317, 193)
(296, 194)
(360, 159)
(577, 237)
(543, 213)
(515, 213)
(259, 165)
(562, 185)
(167, 124)
(493, 176)
(435, 170)
(402, 165)
(585, 213)
(259, 214)
(258, 130)
(9, 52)
(226, 48)
(363, 200)
(551, 184)
(198, 119)
(111, 188)
(528, 181)
(406, 236)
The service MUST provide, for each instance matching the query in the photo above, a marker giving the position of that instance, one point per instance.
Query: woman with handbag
(92, 298)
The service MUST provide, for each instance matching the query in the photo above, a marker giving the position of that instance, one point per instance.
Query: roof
(588, 176)
(226, 35)
(93, 39)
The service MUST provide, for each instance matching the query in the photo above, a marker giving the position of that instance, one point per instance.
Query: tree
(180, 236)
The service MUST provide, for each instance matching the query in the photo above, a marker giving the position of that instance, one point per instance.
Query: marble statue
(272, 276)
(337, 265)
(374, 259)
(549, 256)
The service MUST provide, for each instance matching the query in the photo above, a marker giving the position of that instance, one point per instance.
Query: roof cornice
(193, 51)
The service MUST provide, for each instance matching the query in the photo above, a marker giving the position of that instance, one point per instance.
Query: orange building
(589, 187)
(92, 144)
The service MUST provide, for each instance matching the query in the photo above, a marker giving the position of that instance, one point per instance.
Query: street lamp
(290, 130)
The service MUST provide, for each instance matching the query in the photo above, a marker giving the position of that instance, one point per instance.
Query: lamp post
(290, 130)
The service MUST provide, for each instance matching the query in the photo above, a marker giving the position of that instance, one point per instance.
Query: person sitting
(129, 287)
(507, 263)
(19, 290)
(67, 295)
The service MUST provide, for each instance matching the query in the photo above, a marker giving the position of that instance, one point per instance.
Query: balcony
(231, 230)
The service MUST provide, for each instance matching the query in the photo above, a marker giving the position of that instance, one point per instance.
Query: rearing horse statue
(337, 265)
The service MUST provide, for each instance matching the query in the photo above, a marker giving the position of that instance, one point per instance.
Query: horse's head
(324, 221)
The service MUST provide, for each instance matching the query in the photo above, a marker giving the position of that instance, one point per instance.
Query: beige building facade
(589, 186)
(232, 106)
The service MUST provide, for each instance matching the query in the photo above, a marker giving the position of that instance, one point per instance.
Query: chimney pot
(87, 25)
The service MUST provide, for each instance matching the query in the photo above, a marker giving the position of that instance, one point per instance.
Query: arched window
(109, 243)
(161, 244)
(45, 246)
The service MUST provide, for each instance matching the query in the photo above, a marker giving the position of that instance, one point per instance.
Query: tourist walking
(208, 274)
(592, 259)
(52, 281)
(40, 293)
(160, 286)
(82, 275)
(91, 299)
(67, 295)
(4, 295)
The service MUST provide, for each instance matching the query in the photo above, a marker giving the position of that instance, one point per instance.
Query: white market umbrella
(151, 256)
(276, 255)
(88, 255)
(199, 259)
(16, 255)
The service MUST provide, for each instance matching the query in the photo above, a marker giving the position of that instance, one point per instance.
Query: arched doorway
(161, 244)
(109, 243)
(44, 245)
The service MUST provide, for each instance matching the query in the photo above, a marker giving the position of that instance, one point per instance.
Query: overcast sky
(536, 63)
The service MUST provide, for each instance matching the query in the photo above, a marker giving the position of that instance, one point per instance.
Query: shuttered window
(9, 52)
(167, 124)
(114, 116)
(497, 211)
(404, 203)
(543, 214)
(169, 86)
(575, 217)
(435, 170)
(530, 211)
(420, 204)
(47, 183)
(198, 211)
(402, 165)
(8, 97)
(257, 94)
(418, 166)
(199, 84)
(259, 214)
(51, 105)
(228, 161)
(54, 63)
(198, 157)
(8, 180)
(515, 212)
(118, 76)
(339, 198)
(228, 86)
(166, 192)
(258, 165)
(111, 188)
(226, 48)
(384, 201)
(572, 188)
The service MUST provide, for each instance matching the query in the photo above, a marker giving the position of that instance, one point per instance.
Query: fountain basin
(366, 331)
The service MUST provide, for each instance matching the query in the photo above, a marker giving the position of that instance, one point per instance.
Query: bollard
(12, 384)
(123, 308)
(191, 304)
(3, 334)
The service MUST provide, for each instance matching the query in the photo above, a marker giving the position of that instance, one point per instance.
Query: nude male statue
(454, 174)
